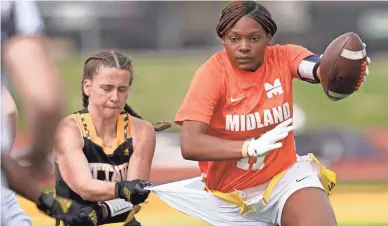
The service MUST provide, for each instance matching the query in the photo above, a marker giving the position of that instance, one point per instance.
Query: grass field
(161, 81)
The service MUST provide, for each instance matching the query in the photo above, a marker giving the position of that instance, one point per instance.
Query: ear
(87, 84)
(269, 42)
(223, 41)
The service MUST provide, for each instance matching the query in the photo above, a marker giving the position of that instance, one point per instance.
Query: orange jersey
(238, 105)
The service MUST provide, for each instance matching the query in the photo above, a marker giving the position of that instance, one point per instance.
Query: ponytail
(130, 111)
(160, 126)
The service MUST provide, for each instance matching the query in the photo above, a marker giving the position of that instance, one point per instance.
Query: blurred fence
(191, 24)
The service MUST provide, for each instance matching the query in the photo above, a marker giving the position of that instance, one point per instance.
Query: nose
(114, 97)
(244, 46)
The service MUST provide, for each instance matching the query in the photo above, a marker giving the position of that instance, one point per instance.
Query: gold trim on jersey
(87, 129)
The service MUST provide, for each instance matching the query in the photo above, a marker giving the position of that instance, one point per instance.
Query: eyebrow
(108, 85)
(250, 33)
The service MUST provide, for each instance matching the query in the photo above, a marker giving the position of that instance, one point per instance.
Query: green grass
(161, 82)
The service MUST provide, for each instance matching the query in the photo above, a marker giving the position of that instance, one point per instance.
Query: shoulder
(212, 67)
(67, 132)
(67, 123)
(211, 73)
(285, 50)
(276, 50)
(141, 129)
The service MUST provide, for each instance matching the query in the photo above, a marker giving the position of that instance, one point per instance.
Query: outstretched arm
(73, 164)
(37, 81)
(305, 65)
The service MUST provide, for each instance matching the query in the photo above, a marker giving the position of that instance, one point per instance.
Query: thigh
(308, 206)
(301, 183)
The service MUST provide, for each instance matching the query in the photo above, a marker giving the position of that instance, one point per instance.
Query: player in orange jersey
(237, 122)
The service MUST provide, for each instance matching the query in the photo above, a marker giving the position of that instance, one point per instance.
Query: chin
(110, 112)
(246, 67)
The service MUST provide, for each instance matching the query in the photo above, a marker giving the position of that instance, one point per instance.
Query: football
(341, 66)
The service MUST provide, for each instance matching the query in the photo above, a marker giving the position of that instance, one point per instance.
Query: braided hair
(235, 10)
(112, 59)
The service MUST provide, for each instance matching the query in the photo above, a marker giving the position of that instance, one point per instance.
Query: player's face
(246, 43)
(108, 91)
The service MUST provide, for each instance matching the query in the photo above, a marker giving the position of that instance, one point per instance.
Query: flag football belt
(327, 177)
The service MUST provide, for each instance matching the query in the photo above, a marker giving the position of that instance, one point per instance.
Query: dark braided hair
(113, 59)
(235, 10)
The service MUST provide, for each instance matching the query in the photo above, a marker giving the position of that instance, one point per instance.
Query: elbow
(188, 149)
(187, 154)
(85, 195)
(83, 192)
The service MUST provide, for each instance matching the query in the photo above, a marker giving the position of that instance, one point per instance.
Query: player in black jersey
(104, 152)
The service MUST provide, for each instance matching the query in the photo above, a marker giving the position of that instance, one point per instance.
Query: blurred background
(168, 41)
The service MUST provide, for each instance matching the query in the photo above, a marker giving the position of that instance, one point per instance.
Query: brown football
(341, 66)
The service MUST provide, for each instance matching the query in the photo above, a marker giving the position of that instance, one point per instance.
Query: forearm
(202, 147)
(97, 190)
(39, 87)
(42, 125)
(19, 179)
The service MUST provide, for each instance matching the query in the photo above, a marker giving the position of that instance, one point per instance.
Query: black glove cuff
(117, 189)
(98, 209)
(45, 202)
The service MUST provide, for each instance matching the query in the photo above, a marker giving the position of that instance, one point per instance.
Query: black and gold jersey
(105, 163)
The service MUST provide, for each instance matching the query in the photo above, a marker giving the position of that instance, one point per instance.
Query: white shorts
(189, 197)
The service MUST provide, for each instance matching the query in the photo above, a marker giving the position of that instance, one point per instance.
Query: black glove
(58, 208)
(133, 191)
(88, 216)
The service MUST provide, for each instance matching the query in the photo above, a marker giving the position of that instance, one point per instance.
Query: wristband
(244, 149)
(117, 206)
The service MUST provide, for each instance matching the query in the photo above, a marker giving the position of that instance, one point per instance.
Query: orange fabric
(238, 105)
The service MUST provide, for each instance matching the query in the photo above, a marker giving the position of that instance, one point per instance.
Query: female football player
(104, 152)
(237, 122)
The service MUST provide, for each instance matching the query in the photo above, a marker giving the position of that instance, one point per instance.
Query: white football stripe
(353, 55)
(337, 95)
